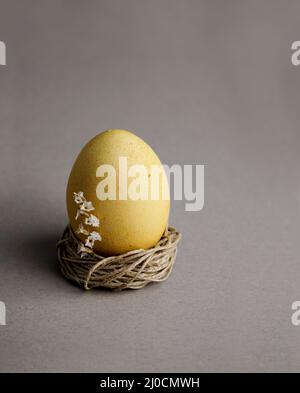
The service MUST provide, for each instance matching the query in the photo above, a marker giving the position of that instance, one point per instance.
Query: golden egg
(117, 194)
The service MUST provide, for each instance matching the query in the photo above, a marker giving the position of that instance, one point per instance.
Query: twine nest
(133, 270)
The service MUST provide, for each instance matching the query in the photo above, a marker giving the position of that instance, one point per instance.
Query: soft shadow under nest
(133, 270)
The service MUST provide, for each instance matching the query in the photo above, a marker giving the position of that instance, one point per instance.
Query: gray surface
(203, 82)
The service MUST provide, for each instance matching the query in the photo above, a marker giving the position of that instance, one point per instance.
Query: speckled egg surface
(106, 208)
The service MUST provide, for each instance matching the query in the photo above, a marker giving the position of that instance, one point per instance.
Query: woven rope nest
(133, 270)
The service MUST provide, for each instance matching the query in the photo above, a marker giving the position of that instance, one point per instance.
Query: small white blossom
(92, 220)
(82, 250)
(87, 206)
(82, 230)
(78, 197)
(89, 242)
(95, 236)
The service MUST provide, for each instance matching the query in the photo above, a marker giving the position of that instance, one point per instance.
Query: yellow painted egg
(117, 195)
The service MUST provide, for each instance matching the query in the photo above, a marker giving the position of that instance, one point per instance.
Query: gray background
(203, 82)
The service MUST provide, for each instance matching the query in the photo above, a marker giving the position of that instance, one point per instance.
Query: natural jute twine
(133, 270)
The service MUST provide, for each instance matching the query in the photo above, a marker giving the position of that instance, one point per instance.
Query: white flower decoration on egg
(78, 197)
(84, 208)
(95, 236)
(92, 220)
(82, 250)
(87, 206)
(89, 243)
